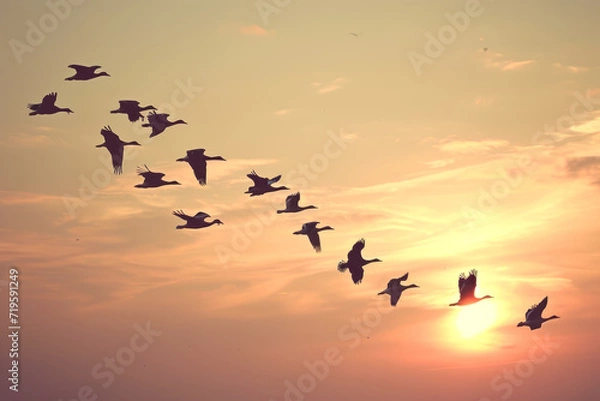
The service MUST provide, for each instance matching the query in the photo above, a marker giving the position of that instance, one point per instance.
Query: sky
(450, 135)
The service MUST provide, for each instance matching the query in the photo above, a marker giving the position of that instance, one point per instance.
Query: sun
(476, 318)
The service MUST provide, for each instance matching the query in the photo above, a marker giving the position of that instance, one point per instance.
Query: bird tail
(180, 227)
(382, 292)
(280, 211)
(342, 266)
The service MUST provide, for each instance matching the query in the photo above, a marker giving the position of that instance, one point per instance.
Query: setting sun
(476, 318)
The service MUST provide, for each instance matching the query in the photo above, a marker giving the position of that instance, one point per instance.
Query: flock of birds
(197, 159)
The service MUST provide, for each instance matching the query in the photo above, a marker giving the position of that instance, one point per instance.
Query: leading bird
(466, 288)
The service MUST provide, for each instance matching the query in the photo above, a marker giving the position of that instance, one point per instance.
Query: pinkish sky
(471, 159)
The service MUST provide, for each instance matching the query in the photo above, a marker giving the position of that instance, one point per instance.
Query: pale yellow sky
(475, 159)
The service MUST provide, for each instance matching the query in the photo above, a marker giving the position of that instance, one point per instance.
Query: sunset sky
(464, 159)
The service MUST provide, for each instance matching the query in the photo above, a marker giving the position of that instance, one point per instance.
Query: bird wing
(310, 225)
(273, 180)
(128, 103)
(49, 100)
(258, 180)
(149, 175)
(117, 158)
(356, 249)
(162, 118)
(394, 297)
(315, 241)
(357, 273)
(108, 134)
(535, 312)
(291, 202)
(199, 167)
(201, 216)
(182, 215)
(83, 68)
(403, 278)
(392, 283)
(468, 285)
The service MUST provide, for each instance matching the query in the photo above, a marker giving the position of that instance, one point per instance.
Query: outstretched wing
(273, 180)
(201, 216)
(315, 241)
(535, 312)
(356, 250)
(108, 134)
(403, 278)
(149, 175)
(357, 273)
(49, 100)
(291, 202)
(467, 289)
(128, 103)
(83, 68)
(395, 296)
(257, 179)
(182, 215)
(199, 167)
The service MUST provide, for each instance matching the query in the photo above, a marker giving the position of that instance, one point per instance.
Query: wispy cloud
(499, 61)
(282, 112)
(469, 146)
(483, 101)
(334, 85)
(571, 68)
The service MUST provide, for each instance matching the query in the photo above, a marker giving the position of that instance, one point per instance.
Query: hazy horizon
(477, 149)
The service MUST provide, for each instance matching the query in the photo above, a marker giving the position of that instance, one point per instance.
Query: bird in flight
(394, 289)
(47, 106)
(263, 185)
(115, 146)
(196, 221)
(356, 262)
(159, 123)
(533, 316)
(355, 34)
(152, 179)
(311, 230)
(466, 288)
(291, 204)
(132, 109)
(84, 73)
(197, 160)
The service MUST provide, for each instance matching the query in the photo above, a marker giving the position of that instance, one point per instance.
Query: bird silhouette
(466, 288)
(263, 185)
(132, 109)
(159, 123)
(83, 73)
(533, 317)
(291, 204)
(356, 262)
(47, 106)
(312, 232)
(197, 160)
(394, 289)
(152, 179)
(115, 146)
(196, 221)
